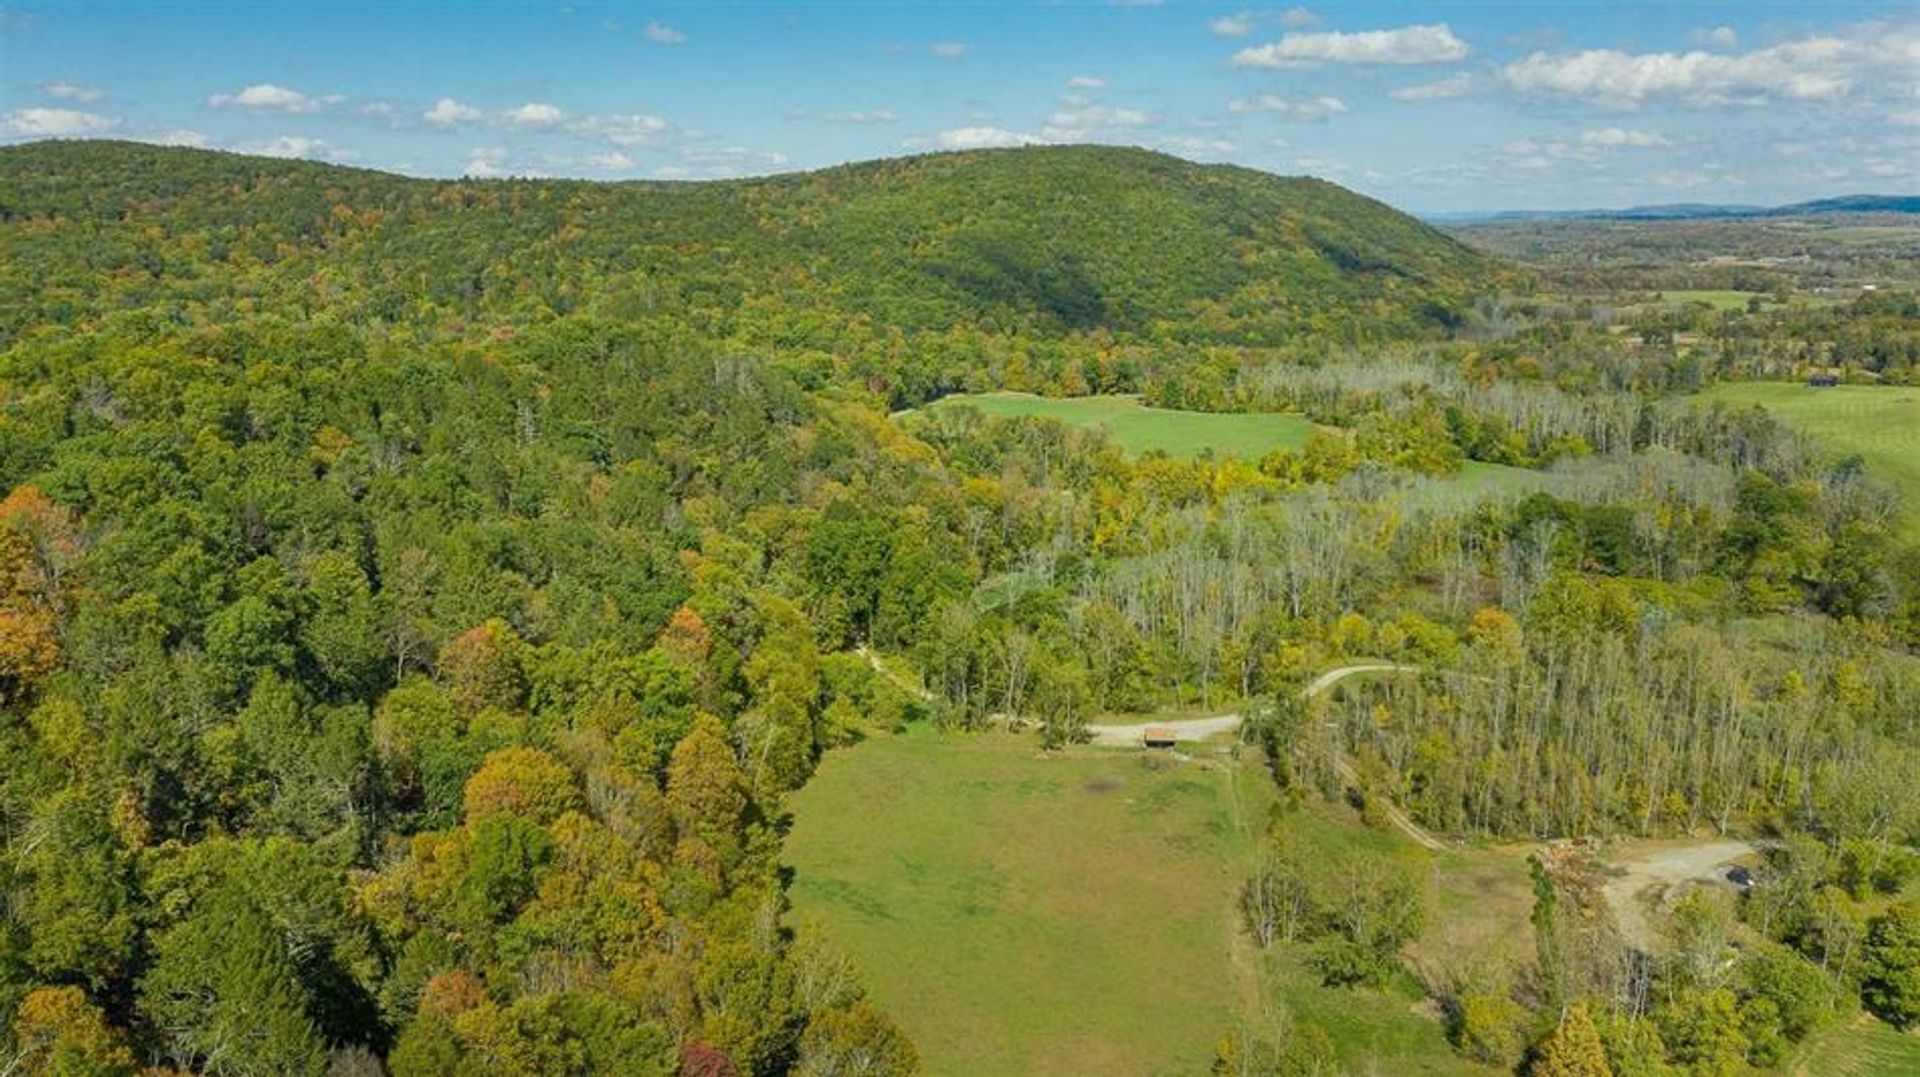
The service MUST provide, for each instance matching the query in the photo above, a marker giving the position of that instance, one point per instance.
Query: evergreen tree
(226, 999)
(1572, 1049)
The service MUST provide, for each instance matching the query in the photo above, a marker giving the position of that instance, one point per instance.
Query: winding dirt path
(1133, 735)
(1191, 729)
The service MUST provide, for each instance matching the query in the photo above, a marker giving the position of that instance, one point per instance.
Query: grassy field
(1023, 913)
(1717, 299)
(1881, 423)
(1138, 429)
(1020, 913)
(1864, 1047)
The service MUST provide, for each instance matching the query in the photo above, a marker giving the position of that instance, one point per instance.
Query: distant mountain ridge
(1042, 241)
(1680, 211)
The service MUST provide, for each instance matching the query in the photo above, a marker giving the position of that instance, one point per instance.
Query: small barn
(1157, 736)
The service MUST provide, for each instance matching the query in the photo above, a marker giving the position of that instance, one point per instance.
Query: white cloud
(1083, 116)
(662, 34)
(1684, 179)
(1242, 23)
(55, 123)
(622, 129)
(1724, 37)
(981, 138)
(864, 116)
(720, 162)
(1238, 25)
(1083, 121)
(1612, 137)
(949, 50)
(267, 97)
(298, 146)
(1199, 146)
(611, 161)
(534, 114)
(1087, 82)
(1904, 119)
(73, 91)
(1810, 69)
(1454, 86)
(179, 136)
(1429, 44)
(447, 112)
(1306, 109)
(484, 162)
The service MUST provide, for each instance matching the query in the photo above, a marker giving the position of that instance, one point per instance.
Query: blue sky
(1430, 106)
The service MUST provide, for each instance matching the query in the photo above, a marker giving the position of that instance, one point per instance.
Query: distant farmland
(1880, 422)
(1140, 429)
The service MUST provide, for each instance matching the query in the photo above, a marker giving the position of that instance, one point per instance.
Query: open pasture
(1024, 912)
(1879, 422)
(1137, 428)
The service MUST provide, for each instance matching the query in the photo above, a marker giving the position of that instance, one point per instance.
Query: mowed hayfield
(1137, 428)
(1859, 1047)
(1880, 422)
(1019, 912)
(1022, 912)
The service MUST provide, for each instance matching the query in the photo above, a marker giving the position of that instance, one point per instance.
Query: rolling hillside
(1043, 241)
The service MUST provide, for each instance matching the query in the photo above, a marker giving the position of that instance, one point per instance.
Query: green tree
(1801, 994)
(1491, 1027)
(1702, 1031)
(225, 996)
(1890, 972)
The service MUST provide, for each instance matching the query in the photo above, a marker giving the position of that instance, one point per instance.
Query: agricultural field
(1881, 423)
(1137, 428)
(1029, 913)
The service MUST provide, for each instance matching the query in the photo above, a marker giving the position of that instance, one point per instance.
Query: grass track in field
(1880, 422)
(1137, 428)
(1020, 913)
(1863, 1047)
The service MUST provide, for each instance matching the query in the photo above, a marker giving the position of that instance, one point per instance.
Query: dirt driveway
(1653, 869)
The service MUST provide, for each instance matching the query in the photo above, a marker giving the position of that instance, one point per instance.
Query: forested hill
(1042, 241)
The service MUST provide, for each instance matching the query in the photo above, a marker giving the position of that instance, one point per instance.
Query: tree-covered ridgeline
(901, 272)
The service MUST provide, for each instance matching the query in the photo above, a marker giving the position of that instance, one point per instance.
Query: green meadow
(1137, 428)
(1718, 299)
(1861, 1047)
(1879, 422)
(1024, 912)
